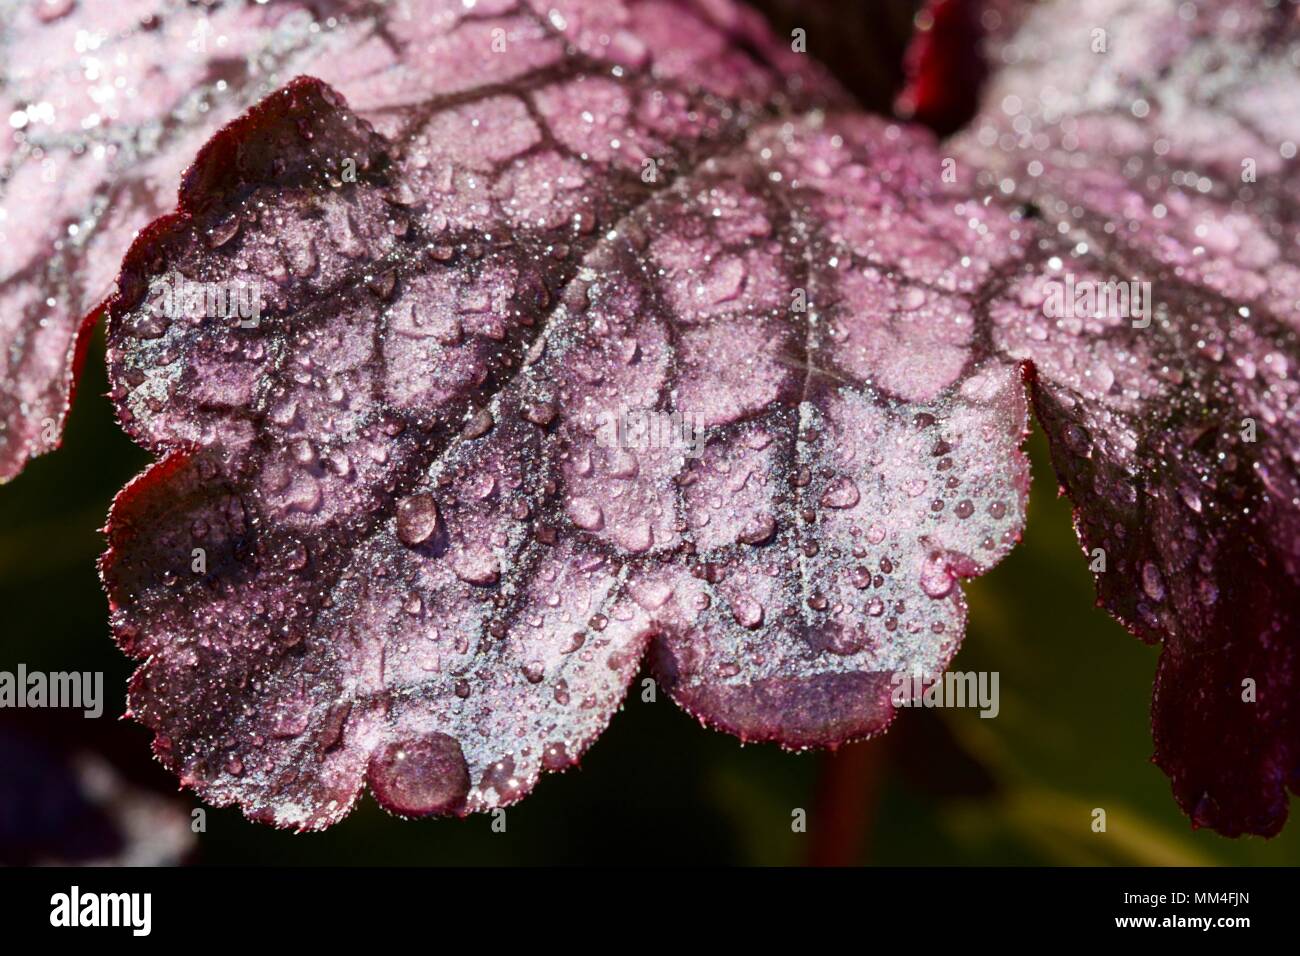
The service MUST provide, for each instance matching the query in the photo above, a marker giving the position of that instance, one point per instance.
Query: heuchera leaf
(1157, 143)
(422, 562)
(101, 107)
(391, 539)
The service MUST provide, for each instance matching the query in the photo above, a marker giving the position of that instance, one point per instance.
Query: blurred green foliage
(947, 787)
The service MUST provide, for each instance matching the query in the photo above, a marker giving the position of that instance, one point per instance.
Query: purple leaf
(102, 107)
(1157, 143)
(399, 533)
(396, 535)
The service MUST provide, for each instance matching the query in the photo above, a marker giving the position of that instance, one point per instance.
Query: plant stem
(848, 790)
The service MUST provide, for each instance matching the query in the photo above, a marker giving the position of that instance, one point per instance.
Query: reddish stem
(848, 789)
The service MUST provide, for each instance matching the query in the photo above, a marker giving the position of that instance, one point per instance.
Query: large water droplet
(421, 776)
(417, 519)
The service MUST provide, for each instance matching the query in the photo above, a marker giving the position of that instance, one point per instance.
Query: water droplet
(639, 538)
(420, 776)
(748, 613)
(533, 672)
(723, 283)
(500, 777)
(652, 595)
(847, 640)
(842, 492)
(1078, 440)
(47, 11)
(295, 558)
(479, 424)
(476, 565)
(417, 519)
(340, 464)
(556, 757)
(223, 231)
(1152, 582)
(1207, 591)
(149, 325)
(384, 284)
(936, 580)
(585, 513)
(540, 413)
(480, 485)
(1102, 376)
(582, 462)
(758, 529)
(622, 464)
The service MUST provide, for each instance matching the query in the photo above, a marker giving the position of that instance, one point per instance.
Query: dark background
(941, 787)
